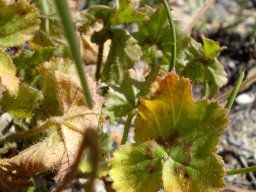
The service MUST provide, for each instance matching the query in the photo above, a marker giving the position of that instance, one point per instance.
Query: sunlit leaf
(187, 133)
(8, 73)
(56, 152)
(50, 105)
(22, 103)
(137, 167)
(19, 22)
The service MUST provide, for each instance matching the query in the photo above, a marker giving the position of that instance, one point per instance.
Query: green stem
(241, 171)
(235, 91)
(99, 60)
(173, 35)
(69, 30)
(127, 126)
(44, 7)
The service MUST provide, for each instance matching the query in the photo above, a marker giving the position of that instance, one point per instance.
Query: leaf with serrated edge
(203, 66)
(57, 151)
(187, 130)
(19, 22)
(137, 167)
(8, 73)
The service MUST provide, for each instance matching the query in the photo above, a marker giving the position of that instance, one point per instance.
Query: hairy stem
(235, 91)
(241, 171)
(173, 35)
(90, 141)
(127, 126)
(69, 30)
(31, 132)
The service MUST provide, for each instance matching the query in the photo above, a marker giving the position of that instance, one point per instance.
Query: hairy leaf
(19, 22)
(22, 103)
(8, 73)
(57, 151)
(124, 51)
(187, 131)
(50, 105)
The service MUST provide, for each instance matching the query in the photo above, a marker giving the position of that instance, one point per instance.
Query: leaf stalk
(173, 36)
(127, 126)
(235, 91)
(241, 171)
(69, 31)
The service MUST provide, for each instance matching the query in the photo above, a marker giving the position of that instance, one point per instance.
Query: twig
(199, 15)
(69, 30)
(173, 35)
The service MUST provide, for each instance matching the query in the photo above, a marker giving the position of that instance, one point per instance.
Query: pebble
(245, 99)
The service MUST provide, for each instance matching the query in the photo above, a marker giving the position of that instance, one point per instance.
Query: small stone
(245, 99)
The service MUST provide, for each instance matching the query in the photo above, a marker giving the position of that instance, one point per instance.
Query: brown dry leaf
(57, 151)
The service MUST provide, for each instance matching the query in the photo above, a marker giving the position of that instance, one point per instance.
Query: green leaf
(126, 13)
(155, 36)
(31, 59)
(187, 131)
(121, 100)
(8, 72)
(137, 167)
(212, 49)
(19, 22)
(21, 104)
(203, 66)
(93, 14)
(124, 52)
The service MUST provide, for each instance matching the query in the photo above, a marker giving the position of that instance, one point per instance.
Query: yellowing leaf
(187, 133)
(19, 22)
(8, 72)
(137, 167)
(57, 151)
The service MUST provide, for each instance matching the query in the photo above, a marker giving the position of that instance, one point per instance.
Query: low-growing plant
(58, 110)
